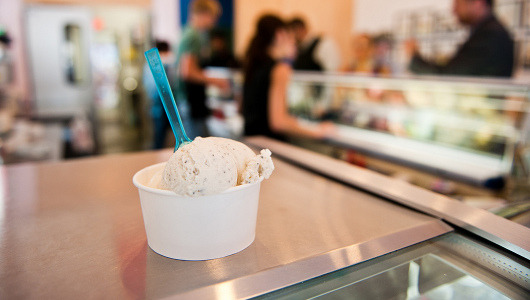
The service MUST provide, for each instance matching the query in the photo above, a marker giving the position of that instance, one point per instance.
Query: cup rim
(171, 193)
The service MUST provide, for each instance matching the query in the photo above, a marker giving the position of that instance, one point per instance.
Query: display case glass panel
(475, 122)
(450, 267)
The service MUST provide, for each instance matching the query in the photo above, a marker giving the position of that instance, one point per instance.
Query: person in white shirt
(315, 52)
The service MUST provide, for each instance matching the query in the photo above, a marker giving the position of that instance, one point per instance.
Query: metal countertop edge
(314, 266)
(505, 233)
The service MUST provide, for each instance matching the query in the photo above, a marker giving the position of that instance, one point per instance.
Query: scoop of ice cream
(258, 168)
(212, 165)
(200, 168)
(241, 152)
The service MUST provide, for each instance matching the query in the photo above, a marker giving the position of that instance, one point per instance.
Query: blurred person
(192, 54)
(267, 73)
(221, 55)
(315, 52)
(6, 73)
(489, 50)
(382, 49)
(363, 50)
(158, 115)
(8, 93)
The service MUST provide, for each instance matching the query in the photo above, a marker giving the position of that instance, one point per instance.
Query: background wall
(334, 18)
(166, 20)
(340, 19)
(92, 2)
(375, 16)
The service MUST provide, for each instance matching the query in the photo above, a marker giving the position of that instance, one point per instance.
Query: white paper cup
(197, 228)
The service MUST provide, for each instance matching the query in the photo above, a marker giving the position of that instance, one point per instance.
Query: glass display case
(463, 128)
(450, 267)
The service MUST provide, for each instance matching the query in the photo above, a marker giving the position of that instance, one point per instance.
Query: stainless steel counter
(75, 228)
(505, 233)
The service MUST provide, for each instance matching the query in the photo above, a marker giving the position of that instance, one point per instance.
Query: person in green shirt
(193, 51)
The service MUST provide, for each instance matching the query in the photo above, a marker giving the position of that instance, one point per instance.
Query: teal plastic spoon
(164, 90)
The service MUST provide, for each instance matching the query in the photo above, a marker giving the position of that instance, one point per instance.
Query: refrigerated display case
(461, 128)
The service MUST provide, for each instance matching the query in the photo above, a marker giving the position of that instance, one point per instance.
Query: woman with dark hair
(267, 72)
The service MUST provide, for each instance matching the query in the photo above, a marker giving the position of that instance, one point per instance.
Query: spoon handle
(164, 90)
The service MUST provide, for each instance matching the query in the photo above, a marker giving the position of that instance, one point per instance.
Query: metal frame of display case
(378, 279)
(459, 163)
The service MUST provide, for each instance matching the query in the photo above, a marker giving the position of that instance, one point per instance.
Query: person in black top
(255, 99)
(305, 58)
(221, 55)
(267, 71)
(489, 50)
(315, 52)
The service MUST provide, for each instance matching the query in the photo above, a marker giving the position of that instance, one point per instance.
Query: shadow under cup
(197, 228)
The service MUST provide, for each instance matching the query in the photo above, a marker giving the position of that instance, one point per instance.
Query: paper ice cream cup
(197, 228)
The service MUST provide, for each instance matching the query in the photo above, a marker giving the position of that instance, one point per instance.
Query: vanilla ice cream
(211, 165)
